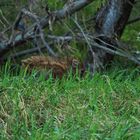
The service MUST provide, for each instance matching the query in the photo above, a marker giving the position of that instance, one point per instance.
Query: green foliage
(131, 35)
(131, 31)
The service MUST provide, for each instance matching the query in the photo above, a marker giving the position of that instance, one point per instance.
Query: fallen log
(110, 23)
(23, 37)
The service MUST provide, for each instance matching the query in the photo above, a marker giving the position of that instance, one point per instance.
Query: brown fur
(57, 66)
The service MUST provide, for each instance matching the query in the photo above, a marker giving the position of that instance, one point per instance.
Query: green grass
(106, 107)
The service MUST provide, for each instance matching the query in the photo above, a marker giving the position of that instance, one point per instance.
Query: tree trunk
(110, 23)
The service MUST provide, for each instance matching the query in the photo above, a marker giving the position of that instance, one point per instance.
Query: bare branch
(134, 20)
(41, 34)
(56, 15)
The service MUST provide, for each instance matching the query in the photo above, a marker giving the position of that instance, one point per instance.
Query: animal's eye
(75, 63)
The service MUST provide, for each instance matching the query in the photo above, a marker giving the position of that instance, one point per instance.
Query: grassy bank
(106, 107)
